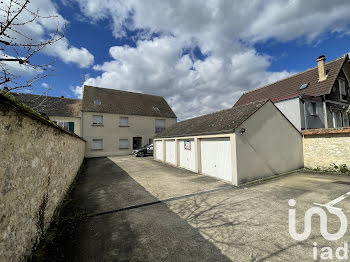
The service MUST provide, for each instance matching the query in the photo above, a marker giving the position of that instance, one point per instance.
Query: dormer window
(97, 102)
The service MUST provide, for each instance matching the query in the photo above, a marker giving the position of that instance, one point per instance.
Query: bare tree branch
(17, 48)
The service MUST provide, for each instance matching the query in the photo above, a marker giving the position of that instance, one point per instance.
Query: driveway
(137, 209)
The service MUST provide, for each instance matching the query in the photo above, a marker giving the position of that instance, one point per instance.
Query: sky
(199, 55)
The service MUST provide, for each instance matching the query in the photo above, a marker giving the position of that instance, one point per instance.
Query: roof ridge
(123, 91)
(307, 70)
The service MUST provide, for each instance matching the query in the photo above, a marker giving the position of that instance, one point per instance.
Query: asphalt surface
(137, 209)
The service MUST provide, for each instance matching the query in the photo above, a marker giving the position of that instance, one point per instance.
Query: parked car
(144, 151)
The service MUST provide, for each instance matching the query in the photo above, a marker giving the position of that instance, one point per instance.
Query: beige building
(237, 145)
(115, 122)
(65, 112)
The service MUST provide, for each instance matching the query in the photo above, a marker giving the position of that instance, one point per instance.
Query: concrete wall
(291, 109)
(76, 121)
(111, 132)
(326, 147)
(269, 146)
(37, 165)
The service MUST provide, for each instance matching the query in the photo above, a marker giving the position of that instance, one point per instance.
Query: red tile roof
(289, 87)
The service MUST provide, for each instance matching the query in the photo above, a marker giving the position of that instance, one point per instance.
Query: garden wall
(38, 163)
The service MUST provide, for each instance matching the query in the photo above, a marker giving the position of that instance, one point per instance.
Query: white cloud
(42, 28)
(77, 90)
(191, 87)
(225, 31)
(70, 54)
(45, 85)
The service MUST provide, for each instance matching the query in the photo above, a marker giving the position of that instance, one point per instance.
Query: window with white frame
(313, 108)
(337, 119)
(69, 126)
(160, 125)
(97, 144)
(123, 143)
(342, 89)
(97, 120)
(123, 121)
(97, 102)
(64, 125)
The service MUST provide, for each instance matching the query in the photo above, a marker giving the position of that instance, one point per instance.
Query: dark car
(144, 151)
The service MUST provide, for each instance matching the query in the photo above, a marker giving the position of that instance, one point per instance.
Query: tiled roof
(125, 103)
(224, 121)
(290, 86)
(50, 105)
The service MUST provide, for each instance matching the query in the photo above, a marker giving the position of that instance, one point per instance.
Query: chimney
(321, 68)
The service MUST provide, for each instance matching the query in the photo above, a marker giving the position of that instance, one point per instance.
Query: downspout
(325, 112)
(305, 115)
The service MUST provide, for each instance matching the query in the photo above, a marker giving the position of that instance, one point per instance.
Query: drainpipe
(305, 114)
(325, 118)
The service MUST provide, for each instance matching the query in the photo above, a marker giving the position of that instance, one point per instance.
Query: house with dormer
(316, 98)
(115, 122)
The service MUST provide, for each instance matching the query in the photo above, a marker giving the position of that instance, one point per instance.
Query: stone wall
(38, 163)
(327, 149)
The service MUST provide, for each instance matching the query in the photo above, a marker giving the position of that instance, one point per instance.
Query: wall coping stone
(324, 131)
(8, 99)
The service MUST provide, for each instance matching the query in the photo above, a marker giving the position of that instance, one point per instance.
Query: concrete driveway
(137, 209)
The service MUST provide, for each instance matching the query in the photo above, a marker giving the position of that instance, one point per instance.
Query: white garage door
(170, 151)
(159, 150)
(216, 158)
(187, 154)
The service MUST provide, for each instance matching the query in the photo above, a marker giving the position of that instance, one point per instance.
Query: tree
(17, 46)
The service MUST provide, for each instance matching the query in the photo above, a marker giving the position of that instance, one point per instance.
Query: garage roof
(225, 121)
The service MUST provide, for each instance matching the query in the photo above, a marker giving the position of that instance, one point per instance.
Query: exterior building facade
(316, 98)
(116, 122)
(237, 145)
(65, 112)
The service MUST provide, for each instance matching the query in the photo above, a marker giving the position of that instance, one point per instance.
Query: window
(124, 121)
(64, 125)
(69, 126)
(314, 108)
(97, 144)
(160, 125)
(123, 143)
(97, 102)
(97, 120)
(156, 108)
(342, 90)
(303, 86)
(337, 119)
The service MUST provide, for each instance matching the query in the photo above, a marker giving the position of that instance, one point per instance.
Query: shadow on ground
(150, 233)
